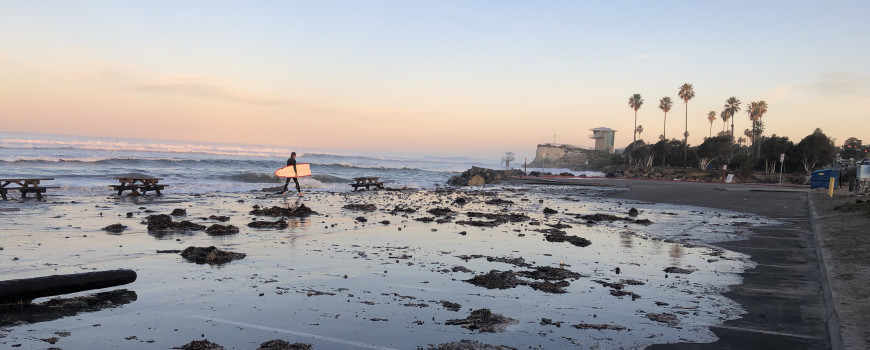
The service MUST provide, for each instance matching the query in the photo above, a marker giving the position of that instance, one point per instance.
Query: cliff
(568, 157)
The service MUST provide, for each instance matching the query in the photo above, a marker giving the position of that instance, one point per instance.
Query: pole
(781, 164)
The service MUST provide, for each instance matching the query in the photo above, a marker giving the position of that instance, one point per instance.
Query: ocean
(81, 164)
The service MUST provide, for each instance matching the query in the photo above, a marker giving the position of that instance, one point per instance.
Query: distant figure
(292, 161)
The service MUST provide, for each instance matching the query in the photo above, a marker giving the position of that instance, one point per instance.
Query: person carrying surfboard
(292, 161)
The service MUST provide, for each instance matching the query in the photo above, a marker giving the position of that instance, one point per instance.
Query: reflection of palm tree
(686, 93)
(665, 105)
(635, 101)
(711, 116)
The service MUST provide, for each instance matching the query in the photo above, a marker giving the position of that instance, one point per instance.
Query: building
(603, 139)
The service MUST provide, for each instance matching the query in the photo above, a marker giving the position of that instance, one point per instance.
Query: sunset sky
(435, 77)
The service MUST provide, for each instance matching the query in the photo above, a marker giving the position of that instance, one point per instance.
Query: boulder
(480, 176)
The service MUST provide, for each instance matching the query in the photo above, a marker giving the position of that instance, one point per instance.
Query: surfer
(292, 161)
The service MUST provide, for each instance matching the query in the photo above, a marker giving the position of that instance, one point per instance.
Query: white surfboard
(287, 172)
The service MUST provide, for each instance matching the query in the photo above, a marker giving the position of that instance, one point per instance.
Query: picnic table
(367, 182)
(136, 184)
(25, 186)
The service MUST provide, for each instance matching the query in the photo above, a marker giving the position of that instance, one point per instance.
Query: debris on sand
(499, 201)
(450, 305)
(664, 317)
(278, 344)
(549, 211)
(200, 345)
(599, 326)
(163, 222)
(280, 224)
(494, 219)
(14, 314)
(557, 287)
(633, 212)
(179, 212)
(221, 230)
(402, 209)
(300, 211)
(115, 228)
(360, 207)
(496, 280)
(622, 293)
(219, 218)
(556, 235)
(595, 218)
(466, 344)
(440, 211)
(550, 273)
(674, 269)
(484, 321)
(210, 255)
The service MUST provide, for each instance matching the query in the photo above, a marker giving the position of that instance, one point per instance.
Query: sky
(435, 77)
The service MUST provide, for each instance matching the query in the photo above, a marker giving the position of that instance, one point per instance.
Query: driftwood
(27, 289)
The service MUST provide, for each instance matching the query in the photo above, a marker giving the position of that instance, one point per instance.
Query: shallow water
(337, 283)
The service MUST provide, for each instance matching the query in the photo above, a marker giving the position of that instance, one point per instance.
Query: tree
(687, 92)
(635, 101)
(756, 110)
(639, 130)
(714, 149)
(711, 116)
(815, 149)
(665, 105)
(772, 148)
(732, 106)
(853, 148)
(725, 118)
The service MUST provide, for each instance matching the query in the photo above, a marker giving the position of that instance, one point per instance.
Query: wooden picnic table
(136, 184)
(25, 186)
(367, 182)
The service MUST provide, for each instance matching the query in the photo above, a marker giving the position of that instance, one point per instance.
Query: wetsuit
(292, 161)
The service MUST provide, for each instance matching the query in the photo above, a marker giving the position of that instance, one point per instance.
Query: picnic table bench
(366, 182)
(25, 186)
(136, 184)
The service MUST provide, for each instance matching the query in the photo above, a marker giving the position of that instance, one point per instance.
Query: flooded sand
(383, 269)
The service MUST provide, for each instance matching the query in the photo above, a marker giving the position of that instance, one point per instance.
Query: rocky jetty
(481, 176)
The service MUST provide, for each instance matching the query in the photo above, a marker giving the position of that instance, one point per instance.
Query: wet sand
(388, 269)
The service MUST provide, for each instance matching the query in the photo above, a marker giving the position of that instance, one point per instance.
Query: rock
(280, 224)
(476, 180)
(179, 212)
(163, 222)
(210, 255)
(473, 176)
(484, 321)
(360, 207)
(221, 230)
(200, 345)
(301, 211)
(115, 228)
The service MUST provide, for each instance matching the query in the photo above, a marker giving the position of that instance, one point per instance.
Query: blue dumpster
(822, 178)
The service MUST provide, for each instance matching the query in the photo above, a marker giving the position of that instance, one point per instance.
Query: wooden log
(27, 289)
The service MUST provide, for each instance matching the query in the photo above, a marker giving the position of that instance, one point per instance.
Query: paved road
(783, 295)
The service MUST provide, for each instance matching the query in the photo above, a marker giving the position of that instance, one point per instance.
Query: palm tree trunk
(665, 128)
(686, 138)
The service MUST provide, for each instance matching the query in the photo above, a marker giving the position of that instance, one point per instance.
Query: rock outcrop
(567, 157)
(480, 176)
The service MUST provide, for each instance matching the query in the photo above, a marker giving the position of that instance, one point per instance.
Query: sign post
(781, 160)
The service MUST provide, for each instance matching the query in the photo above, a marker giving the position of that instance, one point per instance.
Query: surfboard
(287, 171)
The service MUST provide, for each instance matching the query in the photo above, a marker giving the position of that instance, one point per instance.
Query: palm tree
(639, 130)
(686, 93)
(724, 115)
(635, 101)
(665, 105)
(711, 116)
(756, 110)
(732, 106)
